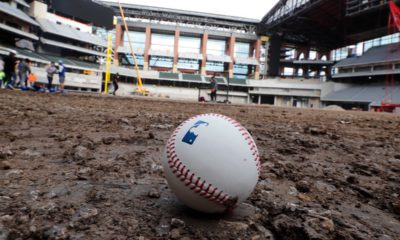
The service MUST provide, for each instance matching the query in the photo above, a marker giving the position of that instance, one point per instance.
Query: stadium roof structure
(23, 3)
(326, 23)
(86, 11)
(45, 58)
(71, 47)
(69, 32)
(8, 9)
(363, 94)
(18, 31)
(186, 17)
(384, 54)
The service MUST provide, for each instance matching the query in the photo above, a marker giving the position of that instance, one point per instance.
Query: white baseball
(211, 163)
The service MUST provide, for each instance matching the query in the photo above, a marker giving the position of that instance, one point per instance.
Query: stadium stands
(167, 75)
(192, 77)
(370, 94)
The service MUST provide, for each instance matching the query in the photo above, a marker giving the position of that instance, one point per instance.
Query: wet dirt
(88, 167)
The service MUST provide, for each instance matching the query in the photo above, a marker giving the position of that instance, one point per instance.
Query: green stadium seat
(168, 75)
(192, 77)
(238, 81)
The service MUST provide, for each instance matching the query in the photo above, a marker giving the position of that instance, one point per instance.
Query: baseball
(211, 163)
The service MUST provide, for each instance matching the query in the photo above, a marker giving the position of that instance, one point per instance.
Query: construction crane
(139, 84)
(387, 105)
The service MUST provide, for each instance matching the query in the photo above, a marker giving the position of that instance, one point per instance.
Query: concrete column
(257, 54)
(204, 41)
(176, 48)
(266, 62)
(278, 101)
(119, 40)
(147, 49)
(230, 51)
(328, 70)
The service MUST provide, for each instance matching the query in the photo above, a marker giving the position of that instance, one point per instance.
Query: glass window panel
(189, 45)
(288, 72)
(138, 39)
(215, 66)
(262, 54)
(161, 62)
(242, 49)
(216, 47)
(240, 76)
(240, 69)
(139, 60)
(188, 64)
(162, 42)
(313, 55)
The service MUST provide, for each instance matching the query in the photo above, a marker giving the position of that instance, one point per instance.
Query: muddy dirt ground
(88, 167)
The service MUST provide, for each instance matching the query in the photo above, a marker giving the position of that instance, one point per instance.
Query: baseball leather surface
(211, 163)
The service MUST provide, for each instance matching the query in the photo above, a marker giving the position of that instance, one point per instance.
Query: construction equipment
(139, 85)
(108, 64)
(393, 26)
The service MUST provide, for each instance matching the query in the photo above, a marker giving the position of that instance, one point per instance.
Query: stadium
(315, 83)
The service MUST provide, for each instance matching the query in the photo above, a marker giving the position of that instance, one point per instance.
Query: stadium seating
(192, 77)
(168, 75)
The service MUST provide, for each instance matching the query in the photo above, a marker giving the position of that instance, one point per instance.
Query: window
(216, 47)
(393, 38)
(288, 71)
(162, 42)
(240, 71)
(313, 55)
(128, 60)
(189, 45)
(215, 66)
(242, 50)
(161, 62)
(286, 101)
(138, 39)
(188, 64)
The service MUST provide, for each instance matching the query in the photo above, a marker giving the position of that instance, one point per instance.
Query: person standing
(61, 75)
(1, 64)
(115, 83)
(14, 80)
(23, 71)
(51, 70)
(214, 88)
(2, 74)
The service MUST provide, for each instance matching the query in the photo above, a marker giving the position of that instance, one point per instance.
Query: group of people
(52, 70)
(14, 72)
(17, 73)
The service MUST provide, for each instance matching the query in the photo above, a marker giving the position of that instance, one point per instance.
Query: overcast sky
(255, 9)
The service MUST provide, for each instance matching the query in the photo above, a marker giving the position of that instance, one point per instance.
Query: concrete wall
(329, 87)
(74, 80)
(313, 102)
(188, 94)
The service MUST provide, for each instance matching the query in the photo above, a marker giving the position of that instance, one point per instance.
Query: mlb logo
(190, 137)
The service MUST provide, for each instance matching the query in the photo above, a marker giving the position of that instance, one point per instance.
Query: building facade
(183, 49)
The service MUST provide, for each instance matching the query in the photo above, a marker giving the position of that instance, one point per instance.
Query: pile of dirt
(88, 167)
(334, 108)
